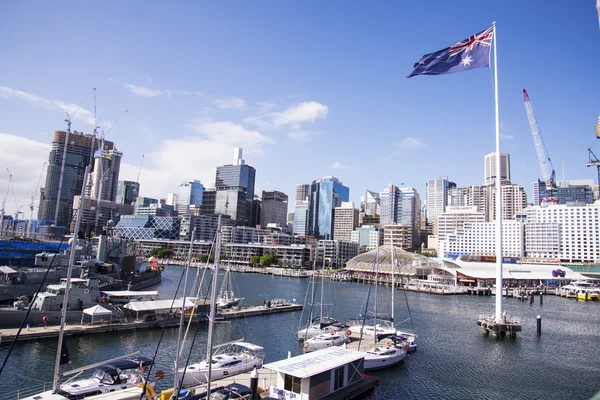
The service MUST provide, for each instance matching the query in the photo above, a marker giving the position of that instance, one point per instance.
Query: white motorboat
(245, 359)
(324, 340)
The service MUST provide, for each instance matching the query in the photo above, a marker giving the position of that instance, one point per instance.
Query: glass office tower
(325, 195)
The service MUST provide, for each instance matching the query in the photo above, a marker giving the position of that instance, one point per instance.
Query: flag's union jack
(483, 39)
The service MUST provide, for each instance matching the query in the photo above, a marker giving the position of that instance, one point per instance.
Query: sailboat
(389, 353)
(226, 297)
(242, 357)
(108, 378)
(322, 324)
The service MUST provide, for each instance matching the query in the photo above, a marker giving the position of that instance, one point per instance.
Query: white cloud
(294, 116)
(193, 94)
(25, 159)
(300, 136)
(411, 143)
(142, 91)
(169, 93)
(228, 103)
(338, 165)
(81, 113)
(194, 157)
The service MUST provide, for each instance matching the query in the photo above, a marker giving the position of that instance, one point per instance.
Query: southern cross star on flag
(471, 53)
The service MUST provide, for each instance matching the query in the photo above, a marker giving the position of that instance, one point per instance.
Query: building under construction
(79, 153)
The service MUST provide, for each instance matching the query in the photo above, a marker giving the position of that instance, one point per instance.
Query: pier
(50, 332)
(505, 327)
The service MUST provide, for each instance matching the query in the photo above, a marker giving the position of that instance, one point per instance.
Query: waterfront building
(78, 152)
(302, 192)
(147, 227)
(205, 225)
(570, 233)
(127, 192)
(301, 218)
(190, 193)
(241, 234)
(234, 192)
(479, 239)
(325, 194)
(573, 191)
(336, 253)
(490, 168)
(397, 235)
(437, 197)
(367, 237)
(454, 218)
(402, 206)
(180, 248)
(274, 208)
(514, 199)
(345, 221)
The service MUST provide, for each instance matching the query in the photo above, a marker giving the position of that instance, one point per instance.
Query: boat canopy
(157, 305)
(7, 270)
(130, 293)
(97, 310)
(132, 363)
(249, 346)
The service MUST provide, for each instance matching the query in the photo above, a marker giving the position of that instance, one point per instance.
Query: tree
(165, 253)
(203, 258)
(254, 260)
(267, 260)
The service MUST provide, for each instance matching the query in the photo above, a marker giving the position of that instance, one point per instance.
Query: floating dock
(39, 332)
(505, 327)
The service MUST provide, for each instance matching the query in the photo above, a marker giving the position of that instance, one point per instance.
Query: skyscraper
(302, 191)
(235, 190)
(437, 197)
(490, 168)
(274, 208)
(345, 221)
(402, 206)
(78, 152)
(127, 192)
(325, 194)
(190, 193)
(105, 178)
(301, 218)
(371, 203)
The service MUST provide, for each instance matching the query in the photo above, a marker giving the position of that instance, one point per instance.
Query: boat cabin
(321, 373)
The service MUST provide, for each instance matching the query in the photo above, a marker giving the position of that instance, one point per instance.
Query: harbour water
(454, 359)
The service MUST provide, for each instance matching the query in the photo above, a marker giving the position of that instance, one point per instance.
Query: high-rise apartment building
(274, 208)
(325, 195)
(235, 190)
(514, 199)
(105, 177)
(437, 197)
(402, 206)
(127, 192)
(397, 235)
(301, 218)
(345, 221)
(78, 151)
(190, 193)
(458, 197)
(302, 191)
(490, 168)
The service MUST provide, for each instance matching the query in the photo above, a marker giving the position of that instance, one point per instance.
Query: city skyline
(303, 115)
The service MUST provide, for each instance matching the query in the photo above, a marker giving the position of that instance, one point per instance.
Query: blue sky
(308, 89)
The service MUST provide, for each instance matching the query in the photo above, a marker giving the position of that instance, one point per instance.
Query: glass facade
(583, 194)
(301, 219)
(127, 192)
(402, 206)
(235, 192)
(325, 195)
(189, 193)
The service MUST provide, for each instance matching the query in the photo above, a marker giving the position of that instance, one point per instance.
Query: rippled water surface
(454, 359)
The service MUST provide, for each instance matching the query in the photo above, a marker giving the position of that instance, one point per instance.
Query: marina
(444, 325)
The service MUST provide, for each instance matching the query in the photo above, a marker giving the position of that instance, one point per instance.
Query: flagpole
(498, 314)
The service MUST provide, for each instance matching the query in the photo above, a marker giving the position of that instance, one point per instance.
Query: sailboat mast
(322, 283)
(182, 317)
(65, 305)
(375, 303)
(213, 305)
(393, 278)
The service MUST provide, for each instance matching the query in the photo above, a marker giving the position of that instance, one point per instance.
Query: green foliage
(165, 253)
(267, 260)
(204, 258)
(254, 260)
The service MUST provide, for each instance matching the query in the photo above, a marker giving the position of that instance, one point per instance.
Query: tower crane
(136, 189)
(544, 161)
(592, 159)
(4, 202)
(32, 202)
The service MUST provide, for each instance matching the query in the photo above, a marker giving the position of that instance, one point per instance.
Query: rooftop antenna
(64, 159)
(4, 203)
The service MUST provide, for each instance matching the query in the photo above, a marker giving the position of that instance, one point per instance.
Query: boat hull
(386, 361)
(12, 318)
(198, 376)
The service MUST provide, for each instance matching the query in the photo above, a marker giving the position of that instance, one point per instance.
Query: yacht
(324, 340)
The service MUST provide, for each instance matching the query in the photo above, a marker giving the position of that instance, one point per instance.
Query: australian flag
(471, 53)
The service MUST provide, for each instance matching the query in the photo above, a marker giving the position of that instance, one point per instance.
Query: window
(338, 378)
(292, 383)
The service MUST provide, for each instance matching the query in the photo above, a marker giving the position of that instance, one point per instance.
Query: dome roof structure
(406, 263)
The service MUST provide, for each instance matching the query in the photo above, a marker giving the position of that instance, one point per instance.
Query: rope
(12, 345)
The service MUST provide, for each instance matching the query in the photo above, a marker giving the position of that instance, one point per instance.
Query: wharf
(506, 326)
(39, 332)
